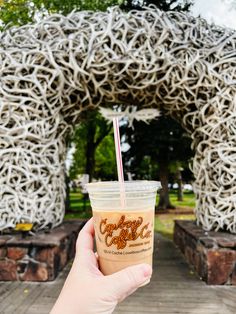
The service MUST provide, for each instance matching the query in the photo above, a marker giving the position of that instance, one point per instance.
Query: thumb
(126, 281)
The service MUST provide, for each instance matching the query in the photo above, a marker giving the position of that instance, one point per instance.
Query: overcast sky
(221, 12)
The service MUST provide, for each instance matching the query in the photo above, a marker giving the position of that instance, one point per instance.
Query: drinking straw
(119, 163)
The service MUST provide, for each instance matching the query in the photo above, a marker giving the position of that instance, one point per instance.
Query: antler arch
(54, 70)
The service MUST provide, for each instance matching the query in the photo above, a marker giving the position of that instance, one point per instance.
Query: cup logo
(128, 230)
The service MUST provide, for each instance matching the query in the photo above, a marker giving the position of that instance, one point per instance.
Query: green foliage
(161, 140)
(94, 145)
(21, 12)
(147, 169)
(105, 160)
(16, 12)
(79, 161)
(66, 7)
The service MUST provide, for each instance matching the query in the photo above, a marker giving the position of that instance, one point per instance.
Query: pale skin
(87, 290)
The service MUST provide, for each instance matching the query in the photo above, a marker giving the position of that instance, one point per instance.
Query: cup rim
(128, 186)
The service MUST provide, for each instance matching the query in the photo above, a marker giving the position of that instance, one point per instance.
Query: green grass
(162, 228)
(188, 200)
(75, 215)
(76, 201)
(164, 223)
(78, 209)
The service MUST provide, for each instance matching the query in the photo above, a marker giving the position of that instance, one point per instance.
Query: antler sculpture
(54, 70)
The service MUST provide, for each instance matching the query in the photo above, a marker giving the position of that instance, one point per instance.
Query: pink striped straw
(119, 163)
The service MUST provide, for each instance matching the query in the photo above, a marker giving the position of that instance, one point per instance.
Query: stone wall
(38, 257)
(213, 254)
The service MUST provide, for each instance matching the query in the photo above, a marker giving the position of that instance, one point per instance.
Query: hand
(87, 290)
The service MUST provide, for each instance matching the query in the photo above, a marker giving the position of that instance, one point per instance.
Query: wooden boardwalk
(174, 289)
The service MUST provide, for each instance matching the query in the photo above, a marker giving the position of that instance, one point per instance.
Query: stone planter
(39, 257)
(213, 254)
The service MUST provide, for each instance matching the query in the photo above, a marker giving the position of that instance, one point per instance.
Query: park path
(174, 288)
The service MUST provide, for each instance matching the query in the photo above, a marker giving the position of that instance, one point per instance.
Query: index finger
(86, 236)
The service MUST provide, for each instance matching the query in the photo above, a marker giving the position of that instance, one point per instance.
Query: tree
(176, 168)
(88, 138)
(94, 149)
(21, 12)
(105, 159)
(161, 142)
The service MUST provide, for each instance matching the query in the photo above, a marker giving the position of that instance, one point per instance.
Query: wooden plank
(39, 309)
(31, 298)
(9, 293)
(174, 289)
(10, 304)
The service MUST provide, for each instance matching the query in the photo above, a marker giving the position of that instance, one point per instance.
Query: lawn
(164, 221)
(79, 208)
(188, 200)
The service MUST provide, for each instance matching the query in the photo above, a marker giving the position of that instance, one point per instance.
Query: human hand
(87, 290)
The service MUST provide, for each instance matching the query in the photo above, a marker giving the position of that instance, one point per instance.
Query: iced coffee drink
(123, 238)
(124, 231)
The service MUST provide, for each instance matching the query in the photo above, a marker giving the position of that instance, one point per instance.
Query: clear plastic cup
(124, 225)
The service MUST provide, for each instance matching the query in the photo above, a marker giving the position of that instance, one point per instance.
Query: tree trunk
(90, 160)
(90, 152)
(67, 183)
(180, 186)
(67, 199)
(164, 200)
